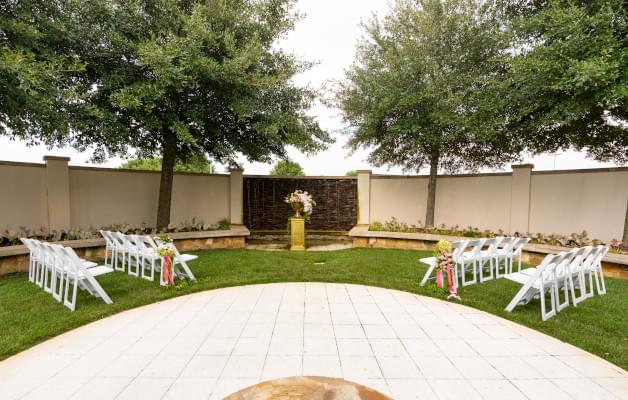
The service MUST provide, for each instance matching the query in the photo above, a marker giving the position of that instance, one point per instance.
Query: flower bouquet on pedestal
(167, 251)
(302, 203)
(445, 265)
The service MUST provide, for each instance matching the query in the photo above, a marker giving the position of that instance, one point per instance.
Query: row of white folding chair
(566, 272)
(138, 255)
(59, 271)
(481, 257)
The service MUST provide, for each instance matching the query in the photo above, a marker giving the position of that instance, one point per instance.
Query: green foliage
(411, 95)
(31, 316)
(198, 76)
(287, 168)
(351, 173)
(573, 240)
(11, 237)
(567, 84)
(197, 164)
(37, 91)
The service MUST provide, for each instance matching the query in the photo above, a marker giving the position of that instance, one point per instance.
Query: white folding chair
(470, 258)
(33, 255)
(148, 255)
(120, 247)
(488, 253)
(110, 248)
(504, 252)
(596, 269)
(562, 273)
(543, 280)
(517, 250)
(457, 249)
(576, 270)
(79, 276)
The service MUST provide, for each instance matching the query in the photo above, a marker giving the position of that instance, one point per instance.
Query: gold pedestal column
(297, 233)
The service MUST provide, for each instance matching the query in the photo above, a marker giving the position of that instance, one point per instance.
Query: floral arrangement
(167, 250)
(301, 202)
(445, 264)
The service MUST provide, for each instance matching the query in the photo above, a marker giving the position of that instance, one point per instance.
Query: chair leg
(545, 315)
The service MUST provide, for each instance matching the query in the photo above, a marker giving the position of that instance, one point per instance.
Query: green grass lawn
(29, 316)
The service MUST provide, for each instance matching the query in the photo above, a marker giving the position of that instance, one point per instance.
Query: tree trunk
(167, 174)
(624, 241)
(431, 189)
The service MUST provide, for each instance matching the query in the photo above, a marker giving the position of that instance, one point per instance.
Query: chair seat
(428, 260)
(187, 257)
(89, 264)
(99, 270)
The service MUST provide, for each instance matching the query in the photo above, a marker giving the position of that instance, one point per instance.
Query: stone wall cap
(515, 166)
(56, 158)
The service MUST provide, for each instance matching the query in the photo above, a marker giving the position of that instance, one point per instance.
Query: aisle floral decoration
(167, 251)
(445, 264)
(302, 203)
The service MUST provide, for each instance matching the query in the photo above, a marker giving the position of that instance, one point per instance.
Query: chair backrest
(492, 244)
(571, 263)
(457, 249)
(602, 251)
(108, 238)
(475, 246)
(518, 244)
(507, 243)
(556, 267)
(27, 242)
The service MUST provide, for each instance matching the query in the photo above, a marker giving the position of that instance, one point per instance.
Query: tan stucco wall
(479, 201)
(100, 198)
(23, 200)
(205, 197)
(404, 198)
(572, 202)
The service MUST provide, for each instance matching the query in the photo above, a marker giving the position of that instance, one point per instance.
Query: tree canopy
(174, 78)
(287, 168)
(566, 85)
(410, 96)
(196, 164)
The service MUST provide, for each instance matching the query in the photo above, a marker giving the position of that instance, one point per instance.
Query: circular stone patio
(212, 344)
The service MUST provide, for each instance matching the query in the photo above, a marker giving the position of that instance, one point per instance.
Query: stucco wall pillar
(364, 197)
(520, 198)
(236, 183)
(58, 192)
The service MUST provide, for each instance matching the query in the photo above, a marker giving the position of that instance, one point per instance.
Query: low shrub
(574, 240)
(11, 237)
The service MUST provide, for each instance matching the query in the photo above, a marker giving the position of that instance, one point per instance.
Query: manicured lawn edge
(29, 316)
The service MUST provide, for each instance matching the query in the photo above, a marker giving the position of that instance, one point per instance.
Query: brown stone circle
(307, 388)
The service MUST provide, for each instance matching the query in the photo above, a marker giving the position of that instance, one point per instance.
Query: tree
(35, 71)
(197, 164)
(175, 78)
(351, 173)
(287, 168)
(411, 94)
(567, 85)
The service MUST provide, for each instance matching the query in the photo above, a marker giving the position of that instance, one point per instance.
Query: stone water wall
(336, 202)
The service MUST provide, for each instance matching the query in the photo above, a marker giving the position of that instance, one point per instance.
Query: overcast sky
(327, 34)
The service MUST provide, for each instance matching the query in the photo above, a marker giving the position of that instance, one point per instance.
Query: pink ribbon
(168, 275)
(439, 278)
